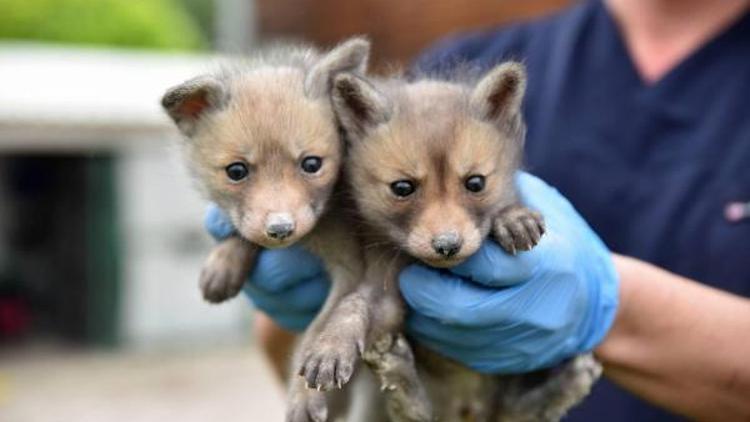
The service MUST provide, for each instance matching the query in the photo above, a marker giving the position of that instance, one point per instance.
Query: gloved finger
(217, 223)
(487, 349)
(518, 336)
(545, 302)
(447, 335)
(535, 193)
(453, 300)
(538, 195)
(478, 359)
(514, 338)
(305, 297)
(279, 269)
(492, 266)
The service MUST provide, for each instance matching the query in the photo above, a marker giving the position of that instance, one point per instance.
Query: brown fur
(269, 115)
(436, 135)
(269, 126)
(434, 139)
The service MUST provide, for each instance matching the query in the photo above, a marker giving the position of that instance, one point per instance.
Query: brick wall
(399, 28)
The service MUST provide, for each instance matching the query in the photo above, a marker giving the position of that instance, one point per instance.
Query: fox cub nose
(280, 231)
(447, 244)
(279, 226)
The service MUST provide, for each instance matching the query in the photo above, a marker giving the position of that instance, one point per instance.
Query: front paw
(226, 269)
(331, 360)
(308, 406)
(220, 283)
(518, 228)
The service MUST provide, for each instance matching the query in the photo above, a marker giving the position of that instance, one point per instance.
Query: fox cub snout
(433, 161)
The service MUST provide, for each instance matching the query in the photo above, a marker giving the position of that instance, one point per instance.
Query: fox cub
(262, 141)
(431, 164)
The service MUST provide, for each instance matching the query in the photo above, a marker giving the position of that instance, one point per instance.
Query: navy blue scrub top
(650, 166)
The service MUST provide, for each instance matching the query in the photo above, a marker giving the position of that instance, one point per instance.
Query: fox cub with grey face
(262, 140)
(431, 164)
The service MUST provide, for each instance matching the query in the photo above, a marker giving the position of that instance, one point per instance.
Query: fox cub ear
(350, 56)
(190, 101)
(499, 94)
(358, 105)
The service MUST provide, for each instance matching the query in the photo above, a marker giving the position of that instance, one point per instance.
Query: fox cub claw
(331, 359)
(309, 406)
(226, 270)
(518, 228)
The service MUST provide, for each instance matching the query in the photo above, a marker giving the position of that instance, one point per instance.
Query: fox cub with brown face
(432, 168)
(262, 140)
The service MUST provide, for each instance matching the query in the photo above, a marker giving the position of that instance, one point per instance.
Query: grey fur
(497, 97)
(359, 105)
(206, 88)
(350, 56)
(444, 390)
(326, 356)
(499, 94)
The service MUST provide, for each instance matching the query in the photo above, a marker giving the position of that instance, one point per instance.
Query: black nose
(279, 231)
(447, 244)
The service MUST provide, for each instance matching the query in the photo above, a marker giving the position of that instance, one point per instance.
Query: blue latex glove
(498, 313)
(290, 284)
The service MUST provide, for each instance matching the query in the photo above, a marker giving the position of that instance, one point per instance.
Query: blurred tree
(203, 11)
(161, 24)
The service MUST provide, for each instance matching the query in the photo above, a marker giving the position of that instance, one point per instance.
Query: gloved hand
(290, 284)
(498, 313)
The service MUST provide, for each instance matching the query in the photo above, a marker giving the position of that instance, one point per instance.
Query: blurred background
(101, 239)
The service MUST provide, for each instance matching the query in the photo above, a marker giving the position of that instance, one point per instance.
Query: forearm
(276, 343)
(679, 344)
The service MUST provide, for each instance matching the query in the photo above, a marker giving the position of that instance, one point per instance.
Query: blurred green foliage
(204, 13)
(160, 24)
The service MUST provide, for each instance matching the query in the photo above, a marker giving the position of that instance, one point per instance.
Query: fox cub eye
(237, 171)
(403, 188)
(474, 183)
(311, 164)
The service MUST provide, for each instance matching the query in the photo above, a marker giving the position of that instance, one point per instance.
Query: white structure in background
(63, 100)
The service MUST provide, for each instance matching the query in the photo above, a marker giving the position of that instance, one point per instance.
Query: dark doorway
(59, 276)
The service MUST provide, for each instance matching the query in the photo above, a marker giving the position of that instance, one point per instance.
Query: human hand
(289, 284)
(499, 313)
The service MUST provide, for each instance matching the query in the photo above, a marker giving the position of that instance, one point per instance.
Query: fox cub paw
(226, 269)
(517, 228)
(392, 359)
(332, 358)
(553, 398)
(308, 406)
